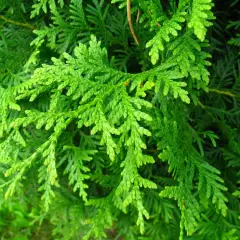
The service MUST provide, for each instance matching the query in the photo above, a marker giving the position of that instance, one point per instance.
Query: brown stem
(129, 17)
(25, 25)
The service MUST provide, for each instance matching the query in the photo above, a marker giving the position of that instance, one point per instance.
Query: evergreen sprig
(106, 137)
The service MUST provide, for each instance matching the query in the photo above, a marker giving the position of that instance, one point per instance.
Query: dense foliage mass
(119, 119)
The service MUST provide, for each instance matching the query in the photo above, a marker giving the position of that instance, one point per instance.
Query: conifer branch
(101, 132)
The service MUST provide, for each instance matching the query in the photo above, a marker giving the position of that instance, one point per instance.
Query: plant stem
(25, 25)
(222, 92)
(129, 17)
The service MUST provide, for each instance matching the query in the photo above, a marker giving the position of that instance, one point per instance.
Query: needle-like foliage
(119, 120)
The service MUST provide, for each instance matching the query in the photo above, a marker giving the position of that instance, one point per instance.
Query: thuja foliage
(119, 119)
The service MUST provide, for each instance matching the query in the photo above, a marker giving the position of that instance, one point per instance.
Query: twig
(138, 15)
(222, 92)
(25, 25)
(201, 105)
(129, 17)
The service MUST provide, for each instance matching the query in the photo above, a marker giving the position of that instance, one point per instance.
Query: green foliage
(103, 138)
(170, 27)
(235, 40)
(200, 17)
